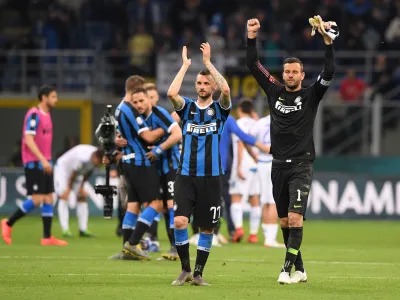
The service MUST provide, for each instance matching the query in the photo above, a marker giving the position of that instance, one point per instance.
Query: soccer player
(36, 155)
(71, 172)
(166, 153)
(293, 110)
(244, 181)
(131, 83)
(198, 183)
(261, 131)
(140, 173)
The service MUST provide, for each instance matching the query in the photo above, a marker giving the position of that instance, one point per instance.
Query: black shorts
(143, 183)
(37, 181)
(291, 184)
(167, 182)
(200, 196)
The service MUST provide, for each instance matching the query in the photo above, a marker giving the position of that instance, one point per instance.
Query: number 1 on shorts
(298, 195)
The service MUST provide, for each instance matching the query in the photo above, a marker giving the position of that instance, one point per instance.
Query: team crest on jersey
(297, 100)
(210, 112)
(139, 120)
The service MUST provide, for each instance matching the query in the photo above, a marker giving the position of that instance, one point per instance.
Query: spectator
(352, 88)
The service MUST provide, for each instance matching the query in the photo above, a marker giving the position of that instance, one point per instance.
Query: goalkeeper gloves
(332, 32)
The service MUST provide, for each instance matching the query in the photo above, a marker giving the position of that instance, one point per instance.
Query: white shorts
(264, 174)
(248, 187)
(61, 180)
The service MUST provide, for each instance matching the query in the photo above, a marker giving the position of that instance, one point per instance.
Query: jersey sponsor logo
(286, 109)
(201, 129)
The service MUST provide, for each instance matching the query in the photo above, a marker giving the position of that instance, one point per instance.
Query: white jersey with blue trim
(261, 131)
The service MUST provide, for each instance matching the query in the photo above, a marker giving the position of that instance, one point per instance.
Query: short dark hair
(45, 90)
(246, 105)
(133, 82)
(293, 60)
(204, 72)
(139, 90)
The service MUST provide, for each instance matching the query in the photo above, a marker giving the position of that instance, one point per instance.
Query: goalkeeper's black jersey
(292, 113)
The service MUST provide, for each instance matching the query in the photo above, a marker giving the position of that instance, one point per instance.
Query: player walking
(36, 147)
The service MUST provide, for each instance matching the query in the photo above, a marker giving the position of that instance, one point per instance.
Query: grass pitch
(343, 260)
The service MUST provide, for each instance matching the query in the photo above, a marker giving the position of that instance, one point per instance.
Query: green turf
(344, 260)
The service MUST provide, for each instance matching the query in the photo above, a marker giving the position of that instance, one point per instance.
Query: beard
(292, 85)
(205, 96)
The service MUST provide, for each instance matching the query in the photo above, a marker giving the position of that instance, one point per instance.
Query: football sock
(128, 225)
(26, 207)
(298, 264)
(144, 222)
(182, 246)
(293, 246)
(203, 251)
(63, 214)
(237, 215)
(255, 219)
(82, 213)
(47, 218)
(272, 232)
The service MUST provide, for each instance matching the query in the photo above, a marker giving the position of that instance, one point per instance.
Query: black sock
(47, 226)
(203, 251)
(182, 247)
(293, 246)
(137, 234)
(126, 233)
(153, 230)
(18, 214)
(298, 264)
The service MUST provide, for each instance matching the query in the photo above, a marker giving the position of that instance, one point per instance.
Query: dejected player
(293, 110)
(198, 182)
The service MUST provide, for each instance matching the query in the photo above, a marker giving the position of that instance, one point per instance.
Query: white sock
(265, 228)
(237, 215)
(82, 213)
(272, 232)
(255, 219)
(63, 214)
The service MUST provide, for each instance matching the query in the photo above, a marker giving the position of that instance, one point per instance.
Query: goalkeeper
(293, 109)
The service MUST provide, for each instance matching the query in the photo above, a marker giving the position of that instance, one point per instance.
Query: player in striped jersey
(198, 182)
(140, 174)
(261, 131)
(167, 155)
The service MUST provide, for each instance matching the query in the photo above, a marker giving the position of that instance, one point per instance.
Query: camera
(105, 134)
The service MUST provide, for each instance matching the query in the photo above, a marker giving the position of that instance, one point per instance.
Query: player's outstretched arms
(173, 91)
(263, 77)
(222, 84)
(329, 62)
(150, 136)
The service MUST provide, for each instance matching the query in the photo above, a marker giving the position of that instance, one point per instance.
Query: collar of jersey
(148, 115)
(204, 106)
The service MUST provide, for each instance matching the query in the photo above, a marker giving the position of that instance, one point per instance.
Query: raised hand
(186, 61)
(253, 25)
(206, 49)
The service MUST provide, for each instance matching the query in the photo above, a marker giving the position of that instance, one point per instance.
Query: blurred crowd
(144, 28)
